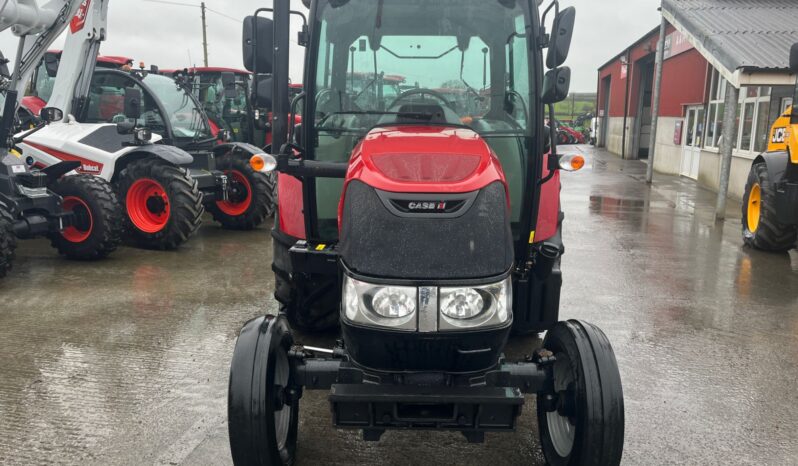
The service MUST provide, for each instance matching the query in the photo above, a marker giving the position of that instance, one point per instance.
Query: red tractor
(426, 234)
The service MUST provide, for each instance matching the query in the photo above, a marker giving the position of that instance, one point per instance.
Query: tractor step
(314, 258)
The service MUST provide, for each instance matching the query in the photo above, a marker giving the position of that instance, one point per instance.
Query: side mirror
(556, 85)
(229, 84)
(561, 34)
(258, 44)
(132, 103)
(263, 92)
(51, 64)
(794, 58)
(51, 114)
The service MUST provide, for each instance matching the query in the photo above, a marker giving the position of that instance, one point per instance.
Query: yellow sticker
(16, 153)
(321, 247)
(531, 237)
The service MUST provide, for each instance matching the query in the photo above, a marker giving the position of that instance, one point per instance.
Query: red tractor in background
(226, 94)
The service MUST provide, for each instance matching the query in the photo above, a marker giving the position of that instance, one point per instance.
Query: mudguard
(171, 154)
(776, 163)
(236, 148)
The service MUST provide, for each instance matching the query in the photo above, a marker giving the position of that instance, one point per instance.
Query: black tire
(98, 228)
(770, 234)
(562, 138)
(8, 241)
(252, 195)
(586, 422)
(258, 383)
(309, 301)
(178, 190)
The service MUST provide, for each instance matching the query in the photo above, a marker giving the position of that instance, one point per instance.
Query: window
(752, 116)
(106, 102)
(752, 121)
(717, 98)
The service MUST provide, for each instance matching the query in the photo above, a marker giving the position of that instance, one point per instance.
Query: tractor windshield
(214, 100)
(227, 112)
(444, 62)
(188, 121)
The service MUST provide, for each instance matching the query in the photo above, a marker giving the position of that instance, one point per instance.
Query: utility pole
(652, 142)
(204, 34)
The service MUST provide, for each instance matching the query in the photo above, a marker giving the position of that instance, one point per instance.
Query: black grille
(379, 243)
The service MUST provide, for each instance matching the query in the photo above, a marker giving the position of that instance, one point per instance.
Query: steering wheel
(430, 92)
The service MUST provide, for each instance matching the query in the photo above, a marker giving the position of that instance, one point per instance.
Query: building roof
(639, 41)
(746, 35)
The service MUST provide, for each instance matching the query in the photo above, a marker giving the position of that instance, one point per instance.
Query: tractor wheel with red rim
(162, 203)
(96, 222)
(8, 242)
(251, 194)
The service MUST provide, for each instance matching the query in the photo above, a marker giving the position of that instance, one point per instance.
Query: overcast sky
(167, 35)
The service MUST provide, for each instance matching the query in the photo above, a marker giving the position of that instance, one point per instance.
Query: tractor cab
(166, 108)
(224, 94)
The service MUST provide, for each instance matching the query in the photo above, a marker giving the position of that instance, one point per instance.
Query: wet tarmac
(125, 361)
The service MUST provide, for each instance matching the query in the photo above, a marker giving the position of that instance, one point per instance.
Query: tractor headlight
(479, 306)
(382, 306)
(410, 308)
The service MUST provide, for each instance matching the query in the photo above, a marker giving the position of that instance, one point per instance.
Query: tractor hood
(425, 203)
(425, 159)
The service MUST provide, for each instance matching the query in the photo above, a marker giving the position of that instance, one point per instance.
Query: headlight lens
(462, 303)
(384, 306)
(479, 306)
(394, 302)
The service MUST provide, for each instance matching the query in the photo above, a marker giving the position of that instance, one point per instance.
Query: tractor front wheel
(580, 414)
(761, 228)
(162, 203)
(262, 400)
(8, 241)
(251, 195)
(96, 228)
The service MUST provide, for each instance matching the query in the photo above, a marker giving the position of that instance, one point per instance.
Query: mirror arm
(554, 159)
(292, 122)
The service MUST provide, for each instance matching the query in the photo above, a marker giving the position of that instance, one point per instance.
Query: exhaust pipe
(548, 253)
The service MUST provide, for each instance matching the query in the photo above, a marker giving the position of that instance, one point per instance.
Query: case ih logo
(426, 206)
(80, 17)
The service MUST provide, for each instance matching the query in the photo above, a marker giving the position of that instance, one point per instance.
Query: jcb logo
(779, 135)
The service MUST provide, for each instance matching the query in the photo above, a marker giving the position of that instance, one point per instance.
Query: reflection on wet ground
(125, 361)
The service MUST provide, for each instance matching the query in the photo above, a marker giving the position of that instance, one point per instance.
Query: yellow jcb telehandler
(770, 202)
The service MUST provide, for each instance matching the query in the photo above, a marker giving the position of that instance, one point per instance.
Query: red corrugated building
(695, 74)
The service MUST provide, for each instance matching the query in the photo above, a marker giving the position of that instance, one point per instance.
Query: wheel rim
(240, 195)
(562, 430)
(148, 205)
(754, 208)
(83, 220)
(282, 417)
